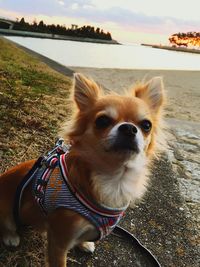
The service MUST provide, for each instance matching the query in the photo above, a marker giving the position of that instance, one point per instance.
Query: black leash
(121, 232)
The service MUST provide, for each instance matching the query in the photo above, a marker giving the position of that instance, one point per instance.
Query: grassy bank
(33, 103)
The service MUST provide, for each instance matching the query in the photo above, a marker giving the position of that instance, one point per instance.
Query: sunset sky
(137, 21)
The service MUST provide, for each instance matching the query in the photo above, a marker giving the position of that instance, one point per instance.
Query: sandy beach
(168, 220)
(182, 87)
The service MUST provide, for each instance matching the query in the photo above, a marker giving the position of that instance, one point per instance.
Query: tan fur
(109, 177)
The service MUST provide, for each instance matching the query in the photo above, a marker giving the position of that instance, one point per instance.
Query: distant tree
(22, 21)
(185, 39)
(34, 25)
(85, 31)
(21, 25)
(41, 24)
(108, 35)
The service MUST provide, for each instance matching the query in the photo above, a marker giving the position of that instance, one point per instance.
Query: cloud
(135, 20)
(46, 7)
(74, 6)
(62, 3)
(89, 10)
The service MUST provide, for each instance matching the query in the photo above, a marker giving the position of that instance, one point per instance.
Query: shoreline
(67, 69)
(123, 65)
(51, 63)
(183, 79)
(55, 37)
(172, 48)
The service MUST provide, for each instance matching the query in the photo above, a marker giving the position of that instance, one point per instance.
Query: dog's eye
(103, 122)
(146, 125)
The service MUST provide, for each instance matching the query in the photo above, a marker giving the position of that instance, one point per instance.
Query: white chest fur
(127, 184)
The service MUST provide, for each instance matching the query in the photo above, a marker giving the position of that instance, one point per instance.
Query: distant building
(6, 23)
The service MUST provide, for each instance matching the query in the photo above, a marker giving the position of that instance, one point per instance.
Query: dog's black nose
(127, 129)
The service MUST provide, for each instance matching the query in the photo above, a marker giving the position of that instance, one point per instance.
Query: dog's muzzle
(126, 140)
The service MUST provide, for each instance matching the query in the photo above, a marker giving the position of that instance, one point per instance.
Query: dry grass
(33, 103)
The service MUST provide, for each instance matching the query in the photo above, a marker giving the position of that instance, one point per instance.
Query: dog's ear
(152, 93)
(86, 91)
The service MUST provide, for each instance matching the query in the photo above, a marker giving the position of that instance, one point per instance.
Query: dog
(114, 139)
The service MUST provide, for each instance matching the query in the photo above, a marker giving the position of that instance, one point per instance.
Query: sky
(134, 21)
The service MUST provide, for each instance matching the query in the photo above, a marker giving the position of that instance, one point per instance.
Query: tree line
(185, 39)
(187, 34)
(41, 27)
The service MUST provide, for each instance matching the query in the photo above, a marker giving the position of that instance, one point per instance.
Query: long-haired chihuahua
(79, 196)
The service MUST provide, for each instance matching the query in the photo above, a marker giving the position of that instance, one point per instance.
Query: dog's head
(111, 130)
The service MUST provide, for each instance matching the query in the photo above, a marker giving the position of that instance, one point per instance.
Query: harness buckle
(59, 141)
(59, 149)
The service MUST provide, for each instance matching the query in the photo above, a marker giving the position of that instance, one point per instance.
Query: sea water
(126, 56)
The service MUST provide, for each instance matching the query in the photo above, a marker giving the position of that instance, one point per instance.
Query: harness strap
(58, 149)
(61, 149)
(20, 189)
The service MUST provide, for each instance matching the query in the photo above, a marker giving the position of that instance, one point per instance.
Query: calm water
(82, 54)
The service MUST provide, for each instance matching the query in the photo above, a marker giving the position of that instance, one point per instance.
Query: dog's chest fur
(125, 185)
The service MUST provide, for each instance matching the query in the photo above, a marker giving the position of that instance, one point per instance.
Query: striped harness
(52, 190)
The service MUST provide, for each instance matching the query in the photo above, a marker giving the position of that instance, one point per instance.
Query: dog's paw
(11, 240)
(87, 247)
